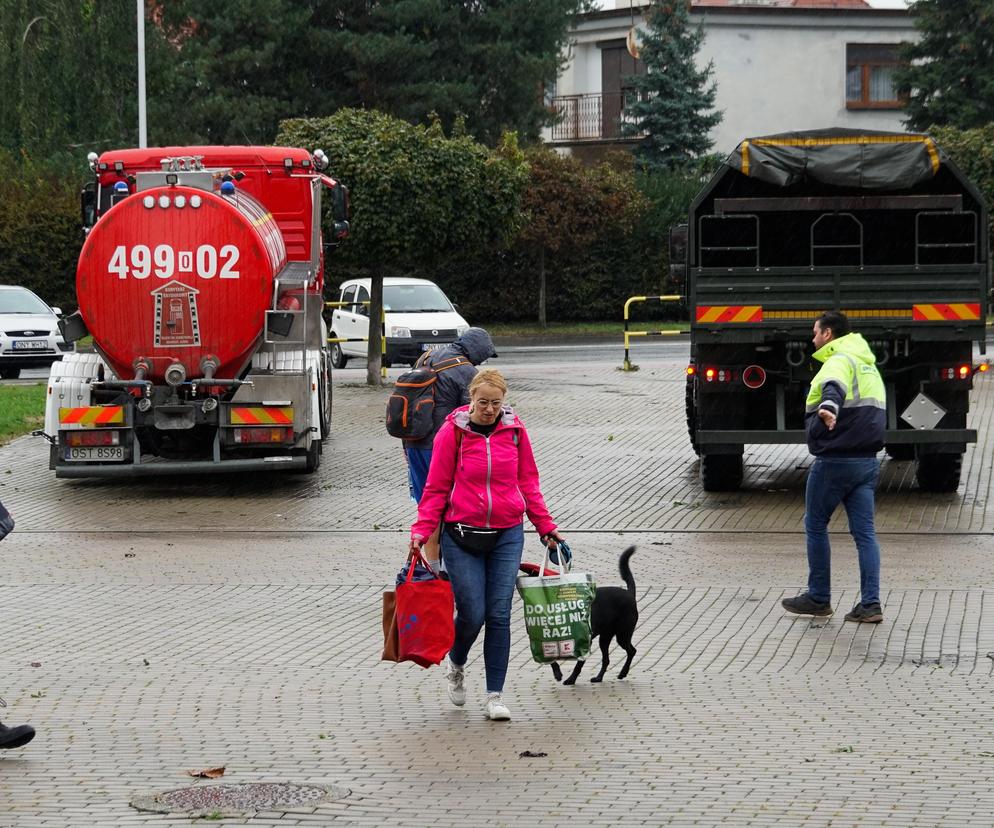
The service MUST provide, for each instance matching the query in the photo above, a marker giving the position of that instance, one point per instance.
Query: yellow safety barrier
(383, 332)
(627, 366)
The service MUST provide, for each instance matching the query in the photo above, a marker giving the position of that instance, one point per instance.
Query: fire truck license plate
(30, 344)
(73, 453)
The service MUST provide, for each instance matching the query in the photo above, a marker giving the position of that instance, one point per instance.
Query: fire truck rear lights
(984, 367)
(691, 370)
(964, 371)
(263, 435)
(709, 373)
(98, 437)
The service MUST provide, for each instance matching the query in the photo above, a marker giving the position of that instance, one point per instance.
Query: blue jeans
(483, 587)
(851, 482)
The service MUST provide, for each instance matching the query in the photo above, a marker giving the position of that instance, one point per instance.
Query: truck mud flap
(156, 469)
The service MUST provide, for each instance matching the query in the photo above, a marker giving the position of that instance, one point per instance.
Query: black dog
(613, 614)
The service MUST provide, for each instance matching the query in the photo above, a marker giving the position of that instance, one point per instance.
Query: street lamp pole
(142, 125)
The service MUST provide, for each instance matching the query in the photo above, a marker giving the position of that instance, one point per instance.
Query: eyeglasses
(488, 403)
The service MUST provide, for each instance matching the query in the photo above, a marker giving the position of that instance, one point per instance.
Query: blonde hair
(488, 376)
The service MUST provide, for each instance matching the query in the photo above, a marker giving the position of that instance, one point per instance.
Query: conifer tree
(949, 79)
(673, 102)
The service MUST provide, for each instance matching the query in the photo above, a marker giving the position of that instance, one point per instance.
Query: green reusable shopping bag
(557, 612)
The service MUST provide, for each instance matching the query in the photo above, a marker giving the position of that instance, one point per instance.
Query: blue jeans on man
(483, 586)
(851, 481)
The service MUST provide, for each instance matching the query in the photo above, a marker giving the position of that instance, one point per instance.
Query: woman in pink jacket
(481, 482)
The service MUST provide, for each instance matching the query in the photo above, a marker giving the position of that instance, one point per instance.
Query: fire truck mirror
(340, 206)
(678, 245)
(88, 205)
(72, 327)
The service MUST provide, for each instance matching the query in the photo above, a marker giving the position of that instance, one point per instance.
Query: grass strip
(22, 409)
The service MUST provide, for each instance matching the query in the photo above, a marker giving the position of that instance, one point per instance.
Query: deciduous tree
(417, 195)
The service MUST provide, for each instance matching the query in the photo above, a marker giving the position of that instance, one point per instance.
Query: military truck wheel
(692, 416)
(721, 472)
(939, 472)
(338, 358)
(900, 451)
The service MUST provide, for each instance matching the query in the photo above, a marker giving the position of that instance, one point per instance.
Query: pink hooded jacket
(493, 482)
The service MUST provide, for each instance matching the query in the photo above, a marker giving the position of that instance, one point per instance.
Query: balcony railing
(590, 117)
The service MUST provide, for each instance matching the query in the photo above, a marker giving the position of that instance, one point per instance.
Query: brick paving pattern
(164, 644)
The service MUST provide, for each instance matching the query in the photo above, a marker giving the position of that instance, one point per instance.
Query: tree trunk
(373, 363)
(541, 286)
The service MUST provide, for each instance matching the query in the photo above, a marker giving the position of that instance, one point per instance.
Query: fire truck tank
(177, 274)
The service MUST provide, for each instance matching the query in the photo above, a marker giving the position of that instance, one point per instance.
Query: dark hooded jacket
(452, 386)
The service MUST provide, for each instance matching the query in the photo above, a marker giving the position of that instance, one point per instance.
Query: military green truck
(882, 226)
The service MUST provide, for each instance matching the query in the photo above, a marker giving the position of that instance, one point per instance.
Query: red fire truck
(200, 282)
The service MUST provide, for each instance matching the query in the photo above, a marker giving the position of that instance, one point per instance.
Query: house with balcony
(779, 65)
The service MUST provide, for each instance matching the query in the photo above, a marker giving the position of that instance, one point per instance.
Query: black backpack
(411, 406)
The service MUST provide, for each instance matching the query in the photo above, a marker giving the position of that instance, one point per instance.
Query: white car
(29, 333)
(419, 317)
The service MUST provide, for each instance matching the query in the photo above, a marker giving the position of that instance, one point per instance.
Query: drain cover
(237, 800)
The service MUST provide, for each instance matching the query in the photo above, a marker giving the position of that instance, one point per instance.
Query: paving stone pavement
(194, 623)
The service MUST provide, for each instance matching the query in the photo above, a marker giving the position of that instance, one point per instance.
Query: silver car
(29, 334)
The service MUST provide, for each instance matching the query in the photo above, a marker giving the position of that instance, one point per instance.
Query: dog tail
(626, 572)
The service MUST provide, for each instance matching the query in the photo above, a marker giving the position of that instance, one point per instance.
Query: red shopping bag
(425, 610)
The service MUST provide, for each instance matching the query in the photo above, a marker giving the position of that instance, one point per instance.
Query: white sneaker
(496, 709)
(454, 678)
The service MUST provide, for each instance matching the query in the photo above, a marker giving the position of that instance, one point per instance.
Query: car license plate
(431, 346)
(30, 344)
(75, 454)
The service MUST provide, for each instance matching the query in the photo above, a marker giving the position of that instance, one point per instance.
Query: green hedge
(40, 236)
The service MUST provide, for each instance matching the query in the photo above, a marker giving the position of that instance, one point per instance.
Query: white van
(419, 318)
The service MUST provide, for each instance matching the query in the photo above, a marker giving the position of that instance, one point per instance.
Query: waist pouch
(476, 540)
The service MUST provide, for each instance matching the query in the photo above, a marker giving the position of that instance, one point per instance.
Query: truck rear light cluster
(714, 374)
(960, 372)
(97, 437)
(263, 435)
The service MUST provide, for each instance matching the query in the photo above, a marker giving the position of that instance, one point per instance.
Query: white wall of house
(776, 70)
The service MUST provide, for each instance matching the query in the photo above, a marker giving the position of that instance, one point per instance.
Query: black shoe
(806, 605)
(15, 737)
(866, 614)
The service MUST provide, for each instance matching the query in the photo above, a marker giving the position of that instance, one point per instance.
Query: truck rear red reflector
(97, 437)
(263, 435)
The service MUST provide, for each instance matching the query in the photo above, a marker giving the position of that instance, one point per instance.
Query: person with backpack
(438, 384)
(482, 482)
(19, 735)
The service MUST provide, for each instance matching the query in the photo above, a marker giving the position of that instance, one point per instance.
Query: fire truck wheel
(721, 472)
(900, 451)
(313, 457)
(338, 358)
(939, 472)
(324, 398)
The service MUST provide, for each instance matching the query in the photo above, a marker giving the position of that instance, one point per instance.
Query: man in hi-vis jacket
(846, 419)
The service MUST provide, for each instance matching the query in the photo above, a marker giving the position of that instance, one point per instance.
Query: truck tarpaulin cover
(841, 157)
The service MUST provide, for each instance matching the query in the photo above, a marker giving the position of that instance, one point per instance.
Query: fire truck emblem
(176, 322)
